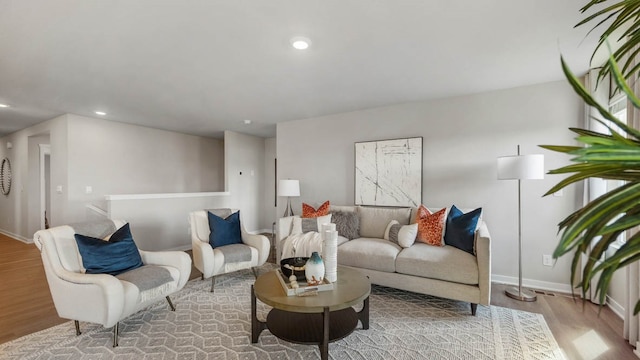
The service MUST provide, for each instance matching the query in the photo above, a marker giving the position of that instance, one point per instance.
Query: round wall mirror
(5, 176)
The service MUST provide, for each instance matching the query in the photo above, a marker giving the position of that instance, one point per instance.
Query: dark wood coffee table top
(351, 288)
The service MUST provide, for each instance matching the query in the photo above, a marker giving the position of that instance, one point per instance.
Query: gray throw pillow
(309, 224)
(347, 224)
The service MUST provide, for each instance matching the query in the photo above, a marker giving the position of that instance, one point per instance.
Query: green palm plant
(593, 228)
(613, 156)
(621, 17)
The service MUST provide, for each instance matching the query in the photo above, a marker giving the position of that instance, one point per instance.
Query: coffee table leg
(256, 325)
(324, 345)
(363, 315)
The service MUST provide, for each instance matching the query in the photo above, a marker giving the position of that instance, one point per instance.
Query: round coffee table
(318, 319)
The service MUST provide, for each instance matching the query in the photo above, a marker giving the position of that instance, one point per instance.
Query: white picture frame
(389, 172)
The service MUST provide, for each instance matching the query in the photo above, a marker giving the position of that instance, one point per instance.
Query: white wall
(270, 208)
(112, 158)
(116, 158)
(463, 136)
(244, 173)
(15, 208)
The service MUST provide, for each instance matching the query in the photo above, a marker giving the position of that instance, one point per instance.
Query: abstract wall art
(389, 172)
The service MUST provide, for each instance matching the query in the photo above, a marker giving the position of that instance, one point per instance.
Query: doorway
(45, 185)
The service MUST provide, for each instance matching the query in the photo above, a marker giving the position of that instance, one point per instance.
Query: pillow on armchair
(117, 255)
(224, 231)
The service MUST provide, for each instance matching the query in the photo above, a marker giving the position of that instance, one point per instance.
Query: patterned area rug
(403, 325)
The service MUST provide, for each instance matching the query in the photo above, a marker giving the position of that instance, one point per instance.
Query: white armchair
(210, 261)
(101, 298)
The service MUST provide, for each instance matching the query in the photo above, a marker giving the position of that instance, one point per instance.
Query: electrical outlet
(547, 260)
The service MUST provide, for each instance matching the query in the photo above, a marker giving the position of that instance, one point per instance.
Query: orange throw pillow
(309, 212)
(430, 226)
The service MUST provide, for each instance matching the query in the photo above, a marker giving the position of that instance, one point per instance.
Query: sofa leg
(115, 335)
(213, 282)
(173, 308)
(77, 323)
(474, 307)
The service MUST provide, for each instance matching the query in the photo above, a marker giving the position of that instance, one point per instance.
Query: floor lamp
(520, 167)
(288, 188)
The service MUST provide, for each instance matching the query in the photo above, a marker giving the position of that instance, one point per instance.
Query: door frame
(45, 149)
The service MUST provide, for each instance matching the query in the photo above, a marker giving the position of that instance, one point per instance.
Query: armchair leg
(474, 307)
(213, 282)
(115, 335)
(77, 323)
(255, 272)
(173, 308)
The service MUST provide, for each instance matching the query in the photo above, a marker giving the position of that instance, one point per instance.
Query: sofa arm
(483, 256)
(177, 259)
(282, 231)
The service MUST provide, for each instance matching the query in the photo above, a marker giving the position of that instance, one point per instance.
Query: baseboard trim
(16, 236)
(535, 284)
(615, 307)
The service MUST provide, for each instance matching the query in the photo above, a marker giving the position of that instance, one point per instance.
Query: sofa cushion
(118, 255)
(369, 253)
(403, 235)
(309, 211)
(461, 228)
(438, 262)
(374, 220)
(224, 231)
(343, 208)
(347, 223)
(430, 226)
(304, 225)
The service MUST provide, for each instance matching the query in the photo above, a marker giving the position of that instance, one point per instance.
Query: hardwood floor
(582, 334)
(578, 329)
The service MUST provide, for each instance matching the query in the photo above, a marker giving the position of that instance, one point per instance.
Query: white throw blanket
(302, 245)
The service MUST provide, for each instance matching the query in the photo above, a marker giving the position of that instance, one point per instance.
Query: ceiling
(204, 66)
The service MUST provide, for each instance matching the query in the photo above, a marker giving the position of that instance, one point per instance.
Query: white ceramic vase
(330, 253)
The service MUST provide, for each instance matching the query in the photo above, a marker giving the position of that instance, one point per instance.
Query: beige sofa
(440, 271)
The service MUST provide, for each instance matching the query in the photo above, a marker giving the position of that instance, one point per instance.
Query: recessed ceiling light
(247, 122)
(4, 106)
(101, 113)
(300, 42)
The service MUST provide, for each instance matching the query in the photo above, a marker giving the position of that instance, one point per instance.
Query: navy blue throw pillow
(461, 228)
(118, 255)
(224, 231)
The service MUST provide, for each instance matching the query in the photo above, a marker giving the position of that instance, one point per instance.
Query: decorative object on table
(314, 269)
(330, 251)
(5, 176)
(294, 266)
(520, 167)
(309, 211)
(301, 288)
(389, 172)
(288, 188)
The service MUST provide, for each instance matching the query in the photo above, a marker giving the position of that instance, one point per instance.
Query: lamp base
(522, 295)
(289, 210)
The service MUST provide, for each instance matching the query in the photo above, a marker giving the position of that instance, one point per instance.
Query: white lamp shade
(521, 167)
(288, 188)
